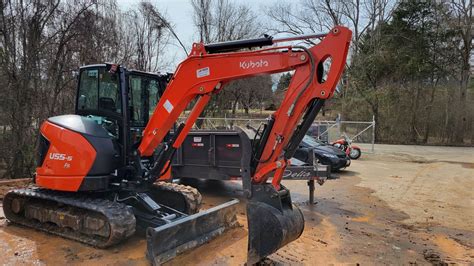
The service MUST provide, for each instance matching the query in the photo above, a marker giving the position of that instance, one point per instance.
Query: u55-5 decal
(60, 156)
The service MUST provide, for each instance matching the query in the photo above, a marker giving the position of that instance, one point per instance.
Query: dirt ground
(400, 205)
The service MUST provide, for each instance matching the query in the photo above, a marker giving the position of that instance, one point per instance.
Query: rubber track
(120, 216)
(191, 195)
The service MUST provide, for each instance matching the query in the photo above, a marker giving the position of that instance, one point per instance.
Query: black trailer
(225, 155)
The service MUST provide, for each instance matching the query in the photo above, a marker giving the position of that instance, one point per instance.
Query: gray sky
(180, 13)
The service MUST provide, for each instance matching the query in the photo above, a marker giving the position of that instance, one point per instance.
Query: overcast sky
(180, 13)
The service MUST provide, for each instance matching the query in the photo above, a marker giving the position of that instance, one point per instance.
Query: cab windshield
(99, 90)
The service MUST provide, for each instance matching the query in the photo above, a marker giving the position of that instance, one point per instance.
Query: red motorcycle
(345, 144)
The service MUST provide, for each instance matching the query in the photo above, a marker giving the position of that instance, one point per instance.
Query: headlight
(329, 155)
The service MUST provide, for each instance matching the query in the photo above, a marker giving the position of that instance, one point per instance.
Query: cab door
(145, 91)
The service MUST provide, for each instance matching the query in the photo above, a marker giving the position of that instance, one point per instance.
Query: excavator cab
(119, 100)
(113, 106)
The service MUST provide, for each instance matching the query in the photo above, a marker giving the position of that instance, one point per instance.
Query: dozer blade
(167, 241)
(273, 221)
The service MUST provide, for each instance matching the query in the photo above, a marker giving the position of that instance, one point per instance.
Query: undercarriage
(101, 219)
(84, 218)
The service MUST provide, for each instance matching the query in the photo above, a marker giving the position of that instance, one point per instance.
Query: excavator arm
(202, 75)
(273, 221)
(205, 72)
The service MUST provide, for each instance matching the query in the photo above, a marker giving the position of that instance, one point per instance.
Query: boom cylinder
(237, 45)
(267, 40)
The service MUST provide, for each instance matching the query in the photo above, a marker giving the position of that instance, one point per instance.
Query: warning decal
(203, 72)
(168, 106)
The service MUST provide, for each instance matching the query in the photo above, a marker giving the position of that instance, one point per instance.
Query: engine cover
(75, 154)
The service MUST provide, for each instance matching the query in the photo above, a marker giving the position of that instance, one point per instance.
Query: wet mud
(387, 208)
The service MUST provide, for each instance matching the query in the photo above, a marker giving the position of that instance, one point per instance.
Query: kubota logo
(253, 64)
(59, 156)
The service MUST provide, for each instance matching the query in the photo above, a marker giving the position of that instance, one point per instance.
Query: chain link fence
(326, 131)
(357, 131)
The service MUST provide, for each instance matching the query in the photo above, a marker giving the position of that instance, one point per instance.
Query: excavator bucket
(273, 221)
(167, 241)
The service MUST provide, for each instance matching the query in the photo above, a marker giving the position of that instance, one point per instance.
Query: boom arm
(202, 74)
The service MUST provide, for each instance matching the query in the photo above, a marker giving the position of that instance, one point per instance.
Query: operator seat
(107, 104)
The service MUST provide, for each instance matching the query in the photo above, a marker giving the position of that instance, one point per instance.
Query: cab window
(153, 97)
(99, 90)
(144, 96)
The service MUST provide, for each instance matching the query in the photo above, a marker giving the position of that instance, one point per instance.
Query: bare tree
(148, 36)
(458, 15)
(202, 18)
(160, 21)
(43, 43)
(35, 39)
(249, 93)
(223, 20)
(311, 16)
(256, 92)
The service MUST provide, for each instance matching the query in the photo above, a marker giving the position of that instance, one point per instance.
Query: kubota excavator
(98, 169)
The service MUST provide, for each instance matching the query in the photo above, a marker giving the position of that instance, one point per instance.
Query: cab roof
(130, 71)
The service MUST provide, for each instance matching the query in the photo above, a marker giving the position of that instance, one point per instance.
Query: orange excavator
(103, 171)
